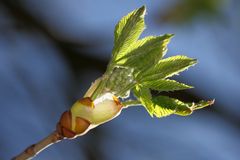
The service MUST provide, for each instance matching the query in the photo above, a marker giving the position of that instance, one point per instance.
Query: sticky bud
(98, 111)
(86, 114)
(64, 126)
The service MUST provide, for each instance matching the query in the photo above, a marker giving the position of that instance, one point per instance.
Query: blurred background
(51, 51)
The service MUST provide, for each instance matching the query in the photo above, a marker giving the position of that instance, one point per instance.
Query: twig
(34, 149)
(130, 103)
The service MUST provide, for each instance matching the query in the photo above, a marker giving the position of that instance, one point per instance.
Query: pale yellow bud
(86, 114)
(98, 111)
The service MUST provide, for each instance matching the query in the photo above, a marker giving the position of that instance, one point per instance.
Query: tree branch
(34, 149)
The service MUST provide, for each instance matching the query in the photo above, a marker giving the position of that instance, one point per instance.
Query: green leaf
(145, 52)
(128, 30)
(164, 106)
(144, 96)
(167, 68)
(165, 85)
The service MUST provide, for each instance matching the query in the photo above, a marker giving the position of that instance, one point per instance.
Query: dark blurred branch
(69, 50)
(186, 11)
(72, 52)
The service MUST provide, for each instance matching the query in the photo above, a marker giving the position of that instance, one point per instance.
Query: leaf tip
(211, 102)
(202, 104)
(190, 87)
(143, 8)
(142, 11)
(170, 35)
(194, 61)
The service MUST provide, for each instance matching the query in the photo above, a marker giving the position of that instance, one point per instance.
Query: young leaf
(144, 96)
(164, 106)
(161, 111)
(128, 30)
(145, 52)
(165, 85)
(167, 68)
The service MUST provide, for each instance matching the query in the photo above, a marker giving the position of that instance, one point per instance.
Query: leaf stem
(104, 80)
(34, 149)
(127, 88)
(131, 103)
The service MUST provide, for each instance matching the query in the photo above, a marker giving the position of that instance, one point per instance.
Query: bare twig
(34, 149)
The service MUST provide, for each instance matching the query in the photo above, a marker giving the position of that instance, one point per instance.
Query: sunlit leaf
(145, 53)
(128, 31)
(144, 96)
(167, 68)
(165, 85)
(164, 106)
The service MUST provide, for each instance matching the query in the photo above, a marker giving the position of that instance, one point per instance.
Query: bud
(65, 125)
(86, 114)
(98, 111)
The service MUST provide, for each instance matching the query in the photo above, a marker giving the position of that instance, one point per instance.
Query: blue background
(51, 51)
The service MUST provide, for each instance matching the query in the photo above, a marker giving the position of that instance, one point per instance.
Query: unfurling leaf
(128, 30)
(164, 106)
(144, 96)
(165, 85)
(143, 57)
(145, 53)
(167, 68)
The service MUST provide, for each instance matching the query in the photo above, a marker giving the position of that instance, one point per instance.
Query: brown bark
(34, 149)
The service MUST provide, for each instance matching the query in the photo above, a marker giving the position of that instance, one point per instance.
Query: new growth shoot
(137, 66)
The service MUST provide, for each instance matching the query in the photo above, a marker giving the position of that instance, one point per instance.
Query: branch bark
(34, 149)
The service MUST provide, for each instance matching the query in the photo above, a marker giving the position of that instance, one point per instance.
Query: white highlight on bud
(106, 96)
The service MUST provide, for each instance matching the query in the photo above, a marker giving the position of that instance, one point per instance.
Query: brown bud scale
(64, 126)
